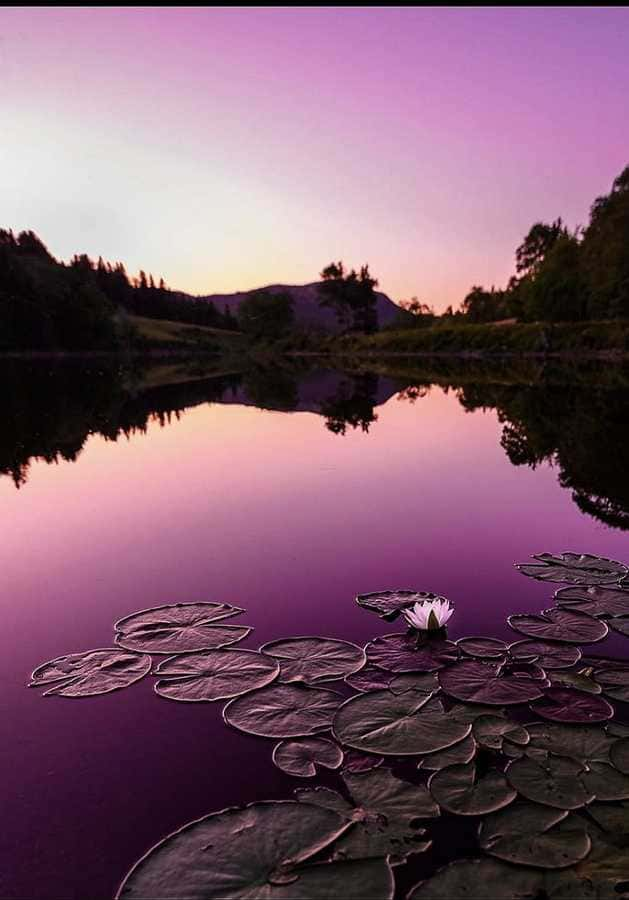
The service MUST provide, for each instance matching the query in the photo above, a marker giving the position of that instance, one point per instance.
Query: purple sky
(226, 149)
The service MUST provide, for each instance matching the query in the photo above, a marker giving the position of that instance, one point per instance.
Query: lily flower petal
(428, 615)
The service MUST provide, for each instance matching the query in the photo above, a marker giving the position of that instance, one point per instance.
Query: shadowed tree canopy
(351, 296)
(414, 314)
(556, 292)
(540, 239)
(267, 315)
(48, 305)
(605, 253)
(563, 275)
(484, 306)
(45, 305)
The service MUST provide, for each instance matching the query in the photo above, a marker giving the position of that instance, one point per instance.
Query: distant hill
(308, 311)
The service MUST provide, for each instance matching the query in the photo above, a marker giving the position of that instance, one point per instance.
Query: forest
(50, 305)
(561, 276)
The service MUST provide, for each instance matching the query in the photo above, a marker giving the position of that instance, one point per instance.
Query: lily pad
(389, 604)
(614, 682)
(283, 710)
(560, 625)
(534, 835)
(459, 754)
(369, 678)
(403, 653)
(557, 781)
(311, 660)
(548, 656)
(357, 761)
(301, 758)
(574, 568)
(422, 682)
(606, 782)
(469, 712)
(459, 790)
(263, 850)
(90, 673)
(617, 729)
(621, 625)
(520, 667)
(613, 818)
(566, 705)
(214, 675)
(400, 801)
(513, 751)
(582, 742)
(379, 795)
(480, 682)
(577, 680)
(482, 647)
(328, 799)
(491, 731)
(605, 663)
(619, 755)
(385, 809)
(396, 724)
(594, 600)
(462, 879)
(179, 628)
(605, 868)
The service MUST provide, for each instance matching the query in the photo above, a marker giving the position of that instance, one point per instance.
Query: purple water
(267, 510)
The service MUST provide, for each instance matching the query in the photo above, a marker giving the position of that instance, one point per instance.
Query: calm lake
(283, 491)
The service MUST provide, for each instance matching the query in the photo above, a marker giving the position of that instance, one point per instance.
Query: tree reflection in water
(576, 418)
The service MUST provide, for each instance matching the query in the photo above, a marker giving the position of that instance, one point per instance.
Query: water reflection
(576, 418)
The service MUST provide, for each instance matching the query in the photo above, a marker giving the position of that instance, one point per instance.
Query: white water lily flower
(428, 615)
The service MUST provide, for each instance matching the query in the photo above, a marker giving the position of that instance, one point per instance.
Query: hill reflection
(576, 418)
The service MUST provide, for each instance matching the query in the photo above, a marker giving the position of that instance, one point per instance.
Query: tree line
(46, 304)
(564, 275)
(50, 409)
(269, 315)
(561, 275)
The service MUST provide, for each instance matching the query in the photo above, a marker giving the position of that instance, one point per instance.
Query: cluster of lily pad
(524, 740)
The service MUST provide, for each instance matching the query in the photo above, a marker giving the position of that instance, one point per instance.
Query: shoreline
(610, 355)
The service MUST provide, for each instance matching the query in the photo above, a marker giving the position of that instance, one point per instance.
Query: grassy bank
(525, 338)
(521, 371)
(158, 334)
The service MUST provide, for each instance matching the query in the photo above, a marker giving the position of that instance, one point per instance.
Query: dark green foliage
(47, 305)
(564, 276)
(605, 253)
(484, 306)
(266, 315)
(44, 305)
(413, 314)
(453, 336)
(351, 296)
(532, 251)
(556, 293)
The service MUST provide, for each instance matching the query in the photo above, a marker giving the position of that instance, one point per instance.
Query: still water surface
(274, 510)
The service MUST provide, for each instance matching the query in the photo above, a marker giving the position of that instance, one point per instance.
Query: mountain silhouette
(308, 311)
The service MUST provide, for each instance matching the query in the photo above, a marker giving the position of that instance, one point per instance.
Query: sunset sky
(229, 148)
